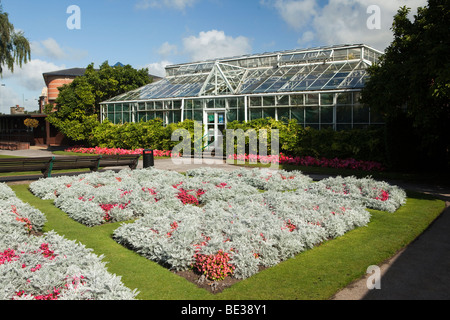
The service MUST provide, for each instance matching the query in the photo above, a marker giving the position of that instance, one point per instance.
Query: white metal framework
(318, 87)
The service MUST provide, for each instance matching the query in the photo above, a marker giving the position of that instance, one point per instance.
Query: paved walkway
(421, 271)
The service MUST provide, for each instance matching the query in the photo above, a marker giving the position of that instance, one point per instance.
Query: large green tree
(410, 86)
(14, 47)
(77, 109)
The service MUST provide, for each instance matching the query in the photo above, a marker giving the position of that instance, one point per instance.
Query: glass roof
(326, 68)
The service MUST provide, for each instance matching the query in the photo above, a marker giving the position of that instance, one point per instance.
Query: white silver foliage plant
(48, 267)
(259, 217)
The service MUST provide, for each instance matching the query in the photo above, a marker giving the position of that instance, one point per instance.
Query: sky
(154, 33)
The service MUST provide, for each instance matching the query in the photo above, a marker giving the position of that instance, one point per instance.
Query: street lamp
(1, 98)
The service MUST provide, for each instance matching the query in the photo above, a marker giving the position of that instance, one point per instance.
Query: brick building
(13, 132)
(55, 80)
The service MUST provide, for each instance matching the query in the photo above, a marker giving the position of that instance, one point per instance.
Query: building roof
(73, 72)
(323, 68)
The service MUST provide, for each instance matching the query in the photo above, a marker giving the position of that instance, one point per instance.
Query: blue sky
(154, 33)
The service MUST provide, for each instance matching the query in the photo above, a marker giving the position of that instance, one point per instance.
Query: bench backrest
(47, 164)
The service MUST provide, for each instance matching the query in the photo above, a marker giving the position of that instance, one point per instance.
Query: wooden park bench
(47, 164)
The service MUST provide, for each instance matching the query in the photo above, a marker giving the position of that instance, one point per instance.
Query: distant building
(53, 81)
(14, 133)
(17, 110)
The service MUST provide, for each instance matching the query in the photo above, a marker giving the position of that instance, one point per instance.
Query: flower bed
(217, 222)
(309, 161)
(306, 161)
(118, 151)
(48, 267)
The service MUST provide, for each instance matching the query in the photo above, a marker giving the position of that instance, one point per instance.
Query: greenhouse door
(215, 127)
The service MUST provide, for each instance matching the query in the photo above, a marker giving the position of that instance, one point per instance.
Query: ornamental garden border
(270, 272)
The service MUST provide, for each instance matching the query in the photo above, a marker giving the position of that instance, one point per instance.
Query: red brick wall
(53, 84)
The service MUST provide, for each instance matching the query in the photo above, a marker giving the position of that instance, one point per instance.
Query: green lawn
(315, 274)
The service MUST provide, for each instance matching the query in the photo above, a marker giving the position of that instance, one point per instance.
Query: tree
(14, 47)
(410, 86)
(77, 109)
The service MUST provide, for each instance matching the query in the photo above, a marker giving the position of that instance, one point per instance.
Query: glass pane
(298, 114)
(126, 107)
(198, 104)
(118, 118)
(110, 108)
(283, 100)
(241, 102)
(211, 118)
(159, 114)
(312, 114)
(241, 114)
(176, 116)
(232, 115)
(269, 101)
(188, 115)
(118, 108)
(232, 103)
(158, 105)
(126, 117)
(210, 103)
(188, 104)
(269, 113)
(312, 98)
(142, 116)
(177, 104)
(255, 114)
(344, 98)
(297, 100)
(198, 116)
(141, 106)
(344, 114)
(356, 97)
(255, 101)
(283, 114)
(326, 99)
(326, 115)
(111, 117)
(220, 103)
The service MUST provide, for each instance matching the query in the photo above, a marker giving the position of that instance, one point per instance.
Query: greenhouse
(319, 87)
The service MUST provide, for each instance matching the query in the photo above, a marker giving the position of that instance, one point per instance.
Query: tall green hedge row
(359, 144)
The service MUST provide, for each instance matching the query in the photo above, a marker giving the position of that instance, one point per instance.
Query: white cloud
(8, 98)
(341, 21)
(167, 49)
(30, 75)
(50, 48)
(215, 44)
(158, 68)
(173, 4)
(297, 13)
